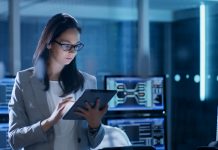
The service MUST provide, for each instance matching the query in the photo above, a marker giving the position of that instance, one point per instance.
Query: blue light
(202, 52)
(196, 78)
(177, 77)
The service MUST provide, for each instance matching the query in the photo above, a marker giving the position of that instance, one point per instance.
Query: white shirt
(64, 129)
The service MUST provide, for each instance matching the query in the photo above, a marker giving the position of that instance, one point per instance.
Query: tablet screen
(90, 96)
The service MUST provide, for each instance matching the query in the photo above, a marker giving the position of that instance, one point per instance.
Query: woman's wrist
(94, 124)
(94, 130)
(46, 125)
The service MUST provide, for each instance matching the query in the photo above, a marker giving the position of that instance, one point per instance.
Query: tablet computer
(90, 96)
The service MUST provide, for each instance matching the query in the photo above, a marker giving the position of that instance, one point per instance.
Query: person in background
(42, 93)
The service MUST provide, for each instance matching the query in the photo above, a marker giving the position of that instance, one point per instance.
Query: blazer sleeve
(21, 133)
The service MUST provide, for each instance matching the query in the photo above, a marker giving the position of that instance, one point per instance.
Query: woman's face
(62, 49)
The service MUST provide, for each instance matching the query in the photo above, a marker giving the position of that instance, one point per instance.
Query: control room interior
(165, 48)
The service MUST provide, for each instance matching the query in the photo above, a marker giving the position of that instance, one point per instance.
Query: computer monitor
(143, 131)
(135, 93)
(4, 145)
(6, 86)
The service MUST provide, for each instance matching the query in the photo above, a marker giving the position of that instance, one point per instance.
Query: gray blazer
(28, 107)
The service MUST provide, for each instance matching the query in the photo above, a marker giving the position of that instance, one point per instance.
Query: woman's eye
(66, 46)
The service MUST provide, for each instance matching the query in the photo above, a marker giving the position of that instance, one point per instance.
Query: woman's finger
(82, 110)
(87, 106)
(63, 104)
(67, 99)
(97, 105)
(61, 108)
(80, 114)
(104, 110)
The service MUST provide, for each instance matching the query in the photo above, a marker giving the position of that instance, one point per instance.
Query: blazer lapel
(40, 96)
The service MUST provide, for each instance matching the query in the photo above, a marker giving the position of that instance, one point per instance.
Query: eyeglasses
(69, 47)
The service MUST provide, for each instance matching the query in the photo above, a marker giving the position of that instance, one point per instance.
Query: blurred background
(176, 40)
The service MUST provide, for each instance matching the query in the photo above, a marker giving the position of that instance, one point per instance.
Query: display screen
(6, 86)
(4, 145)
(134, 93)
(143, 131)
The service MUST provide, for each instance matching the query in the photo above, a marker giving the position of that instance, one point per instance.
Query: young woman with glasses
(41, 94)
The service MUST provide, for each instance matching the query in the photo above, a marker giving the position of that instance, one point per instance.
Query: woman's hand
(92, 114)
(56, 115)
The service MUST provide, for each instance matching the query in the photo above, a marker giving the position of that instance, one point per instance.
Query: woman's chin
(67, 62)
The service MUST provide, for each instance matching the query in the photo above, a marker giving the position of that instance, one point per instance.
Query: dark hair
(70, 79)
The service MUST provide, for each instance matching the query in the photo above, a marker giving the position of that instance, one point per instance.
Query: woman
(41, 95)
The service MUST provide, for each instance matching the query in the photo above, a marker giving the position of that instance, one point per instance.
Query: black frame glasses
(70, 47)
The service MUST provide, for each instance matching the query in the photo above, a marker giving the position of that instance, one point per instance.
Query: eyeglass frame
(72, 46)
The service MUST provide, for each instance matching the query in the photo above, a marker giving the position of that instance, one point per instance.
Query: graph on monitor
(134, 93)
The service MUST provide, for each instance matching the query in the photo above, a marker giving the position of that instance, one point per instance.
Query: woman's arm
(21, 133)
(93, 115)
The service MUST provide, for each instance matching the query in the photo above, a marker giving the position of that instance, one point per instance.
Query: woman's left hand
(92, 114)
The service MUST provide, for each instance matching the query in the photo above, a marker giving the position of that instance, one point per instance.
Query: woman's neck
(53, 77)
(54, 71)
